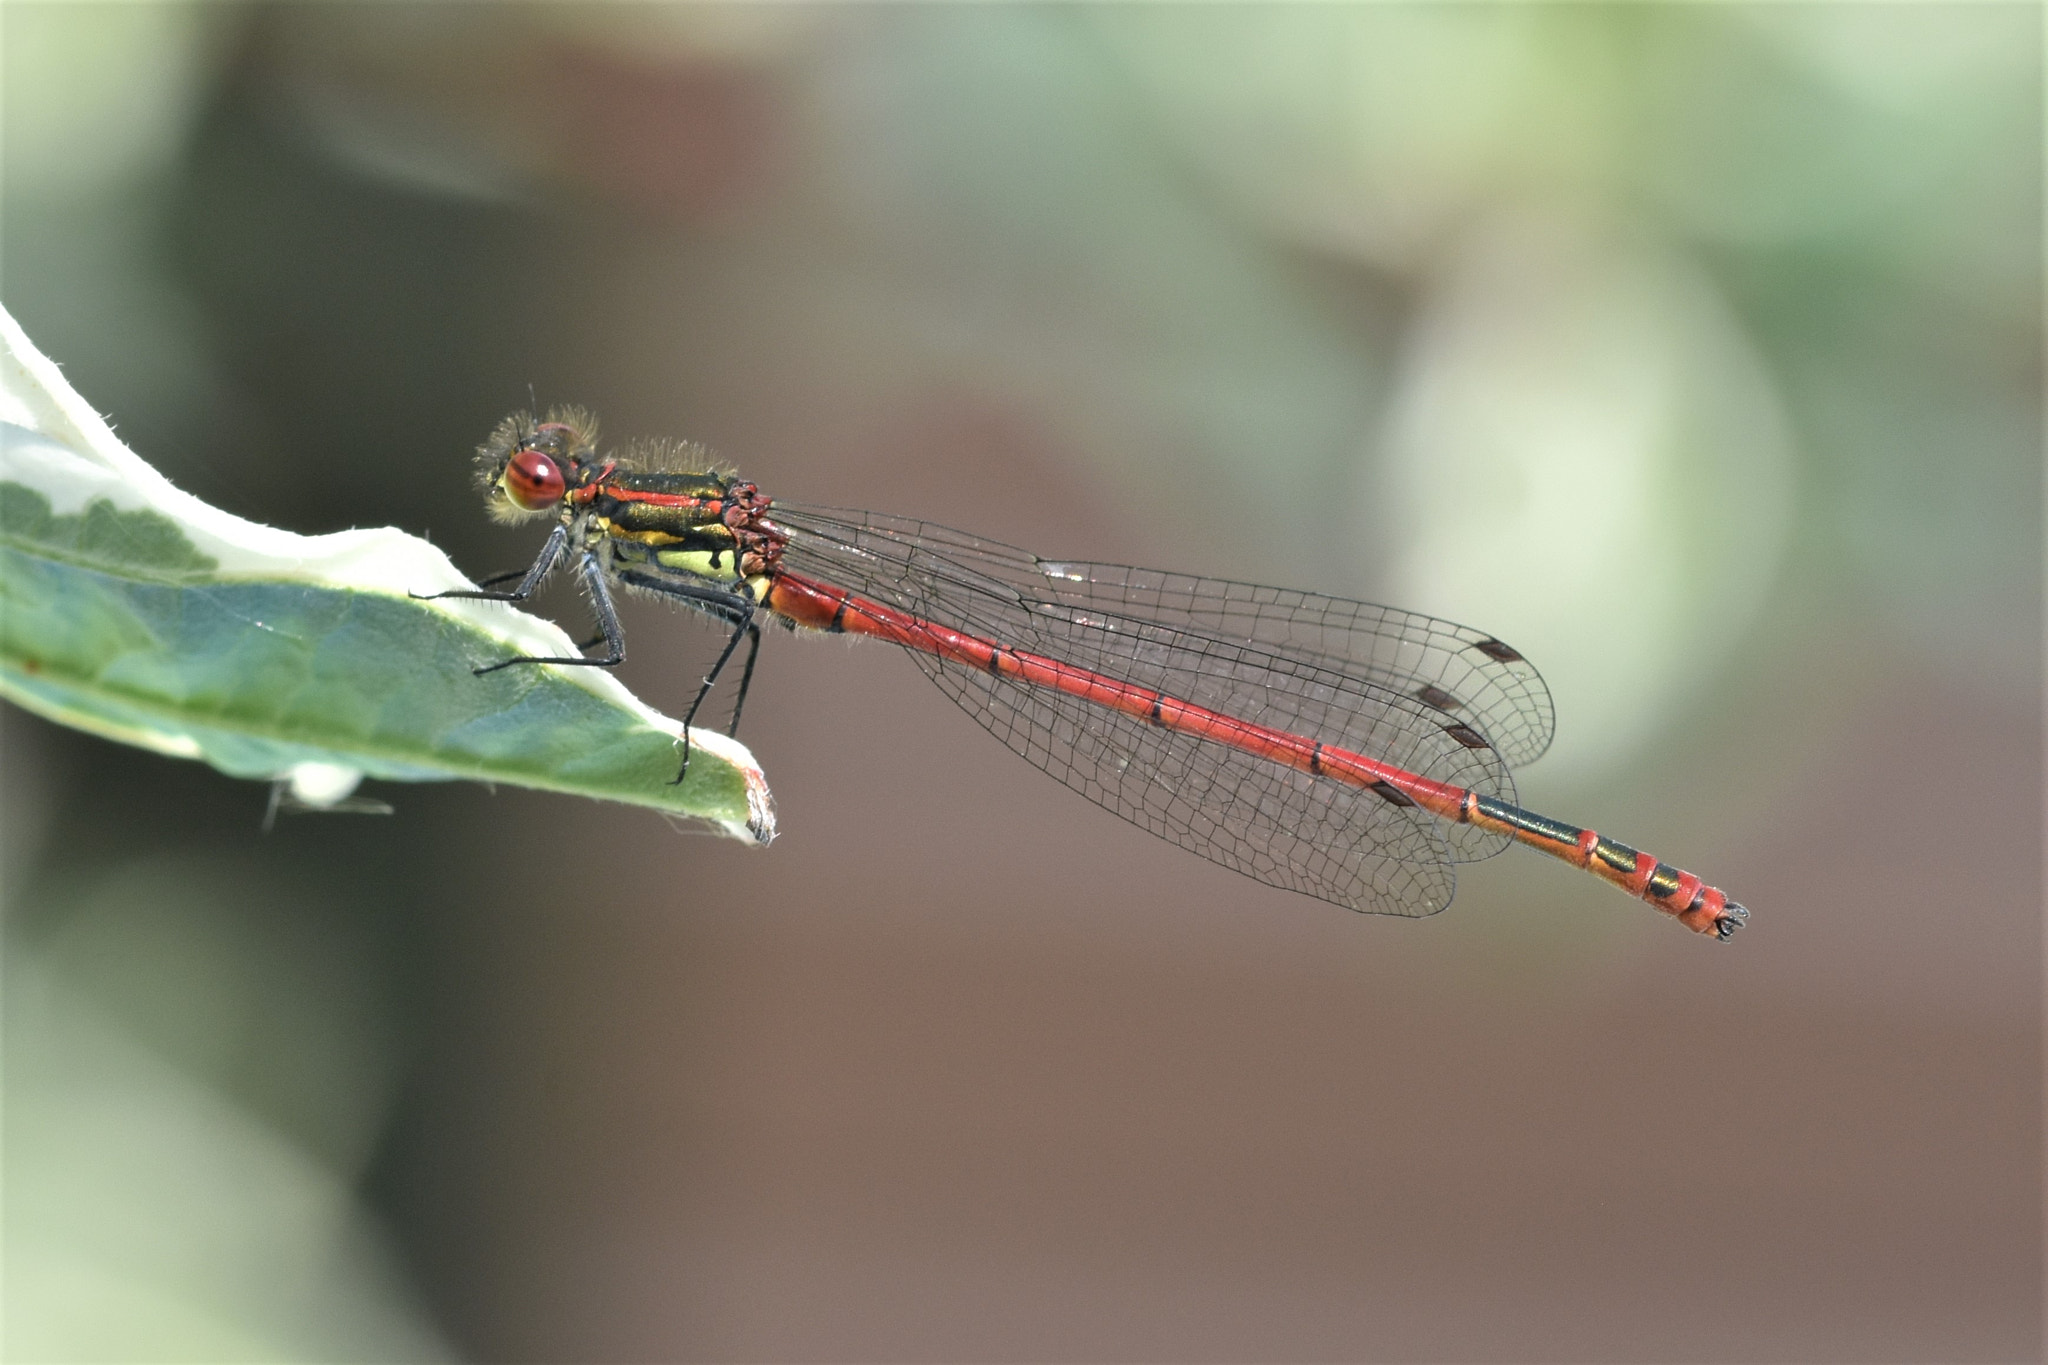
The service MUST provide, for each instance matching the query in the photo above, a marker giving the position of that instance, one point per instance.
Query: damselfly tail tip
(1733, 916)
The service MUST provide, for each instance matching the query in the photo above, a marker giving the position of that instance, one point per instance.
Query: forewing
(1461, 673)
(1202, 642)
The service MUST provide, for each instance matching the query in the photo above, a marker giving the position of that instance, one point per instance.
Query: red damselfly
(1351, 752)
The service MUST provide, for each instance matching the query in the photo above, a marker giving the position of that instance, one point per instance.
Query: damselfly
(1351, 752)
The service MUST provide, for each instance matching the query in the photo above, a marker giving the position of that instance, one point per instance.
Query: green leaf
(132, 610)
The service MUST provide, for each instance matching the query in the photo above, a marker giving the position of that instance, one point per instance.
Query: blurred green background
(1696, 350)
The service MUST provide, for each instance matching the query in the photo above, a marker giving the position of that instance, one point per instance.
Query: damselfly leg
(736, 609)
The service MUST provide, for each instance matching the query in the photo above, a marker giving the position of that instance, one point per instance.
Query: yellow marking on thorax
(713, 564)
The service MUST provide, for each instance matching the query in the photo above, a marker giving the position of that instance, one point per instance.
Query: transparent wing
(1401, 688)
(1464, 674)
(1279, 826)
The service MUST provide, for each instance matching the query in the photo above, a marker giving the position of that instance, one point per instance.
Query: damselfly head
(528, 465)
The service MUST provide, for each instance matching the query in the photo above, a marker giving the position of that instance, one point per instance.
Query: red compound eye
(533, 482)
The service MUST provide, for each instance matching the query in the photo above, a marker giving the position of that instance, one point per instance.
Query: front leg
(607, 622)
(550, 553)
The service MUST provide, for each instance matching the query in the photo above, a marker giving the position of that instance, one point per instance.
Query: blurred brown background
(1694, 350)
